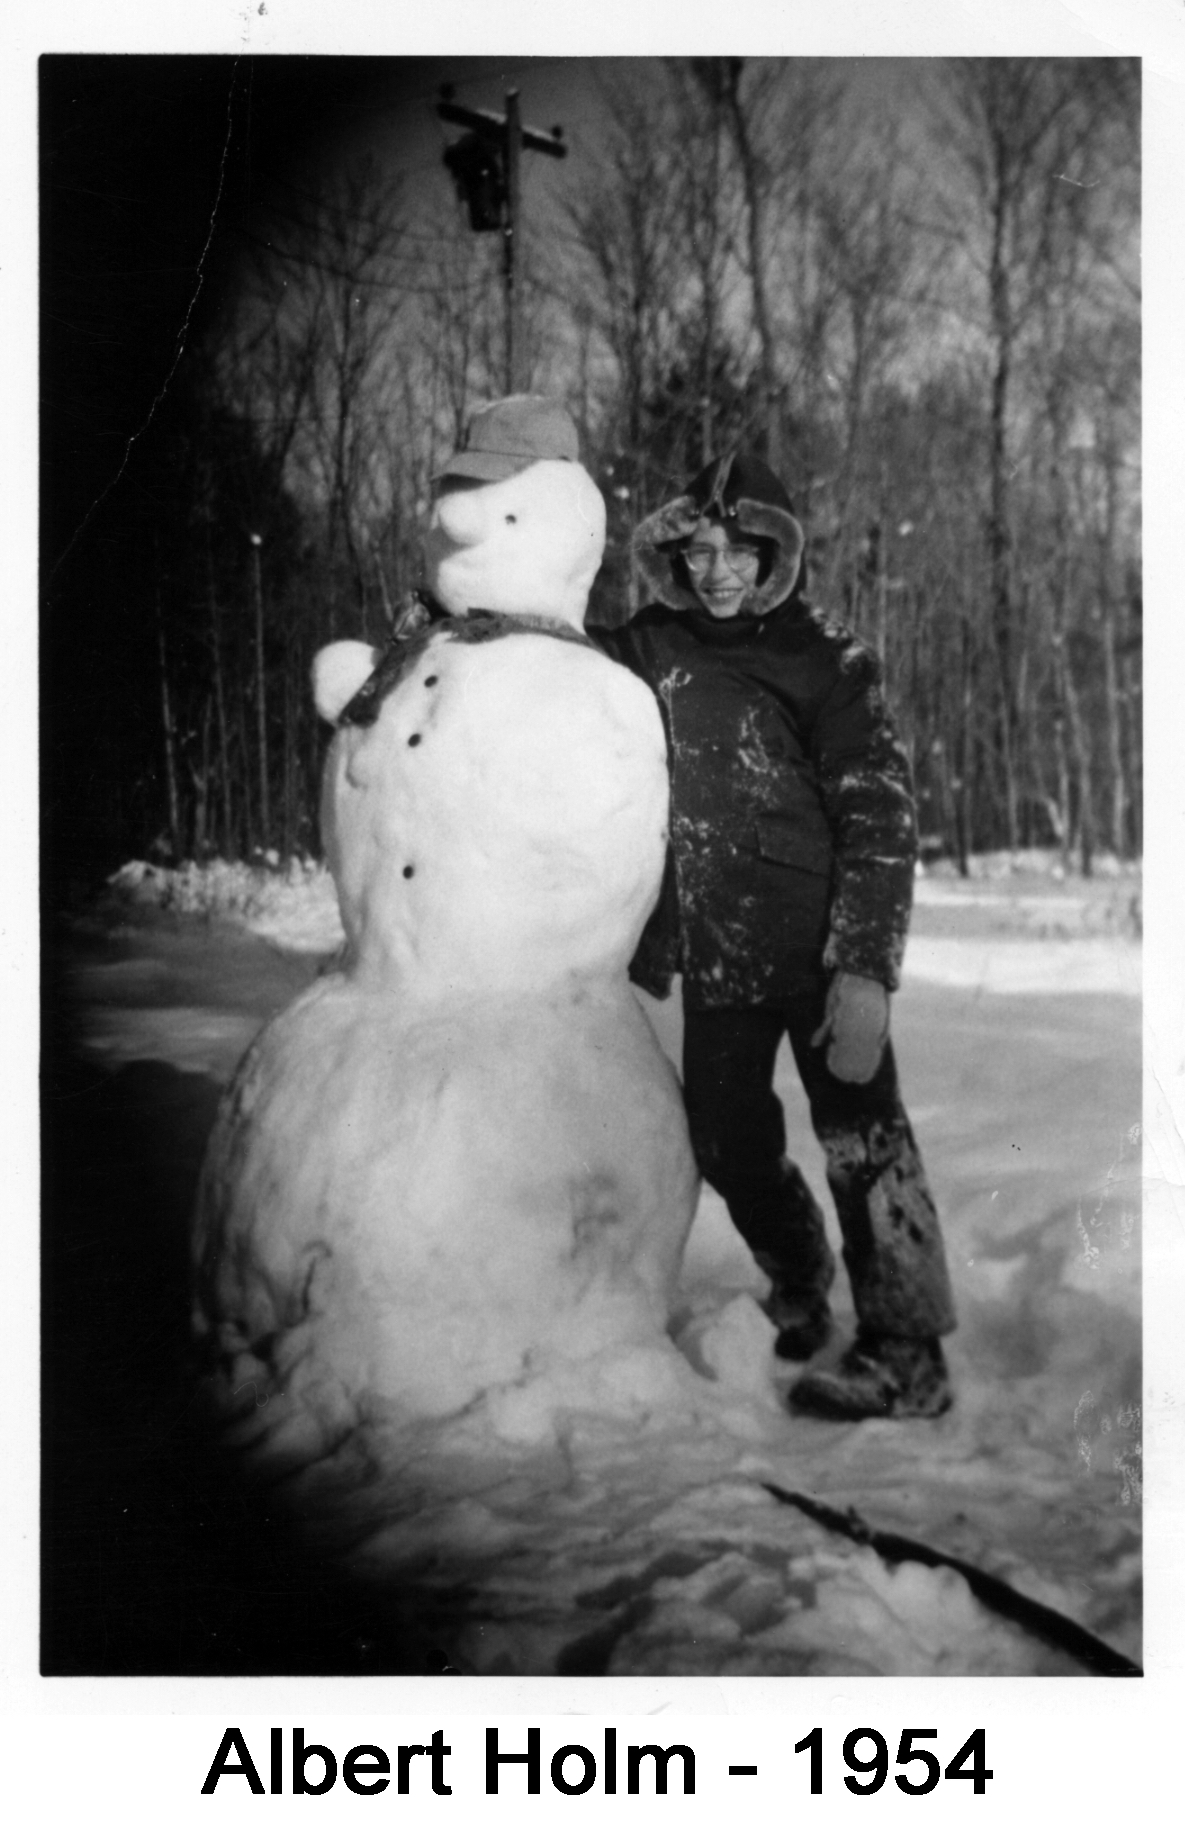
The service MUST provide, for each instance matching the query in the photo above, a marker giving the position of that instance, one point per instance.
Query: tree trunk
(1001, 370)
(200, 776)
(1113, 734)
(170, 737)
(229, 846)
(1132, 748)
(1080, 748)
(252, 840)
(1064, 824)
(260, 698)
(753, 187)
(961, 786)
(999, 517)
(882, 597)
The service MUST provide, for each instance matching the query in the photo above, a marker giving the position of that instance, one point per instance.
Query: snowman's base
(403, 1210)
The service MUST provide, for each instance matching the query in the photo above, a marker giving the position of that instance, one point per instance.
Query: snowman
(459, 1162)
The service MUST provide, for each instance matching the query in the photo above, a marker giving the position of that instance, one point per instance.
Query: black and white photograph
(591, 728)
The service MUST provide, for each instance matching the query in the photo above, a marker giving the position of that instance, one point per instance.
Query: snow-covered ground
(621, 1526)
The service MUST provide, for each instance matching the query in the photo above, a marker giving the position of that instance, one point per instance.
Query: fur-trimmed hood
(743, 492)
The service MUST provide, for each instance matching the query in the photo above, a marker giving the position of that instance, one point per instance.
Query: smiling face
(722, 570)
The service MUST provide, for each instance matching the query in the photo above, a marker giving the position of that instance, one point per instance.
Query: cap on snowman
(508, 435)
(518, 525)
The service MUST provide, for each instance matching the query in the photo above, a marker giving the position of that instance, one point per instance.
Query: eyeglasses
(744, 560)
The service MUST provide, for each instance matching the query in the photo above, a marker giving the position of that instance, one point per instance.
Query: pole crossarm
(493, 126)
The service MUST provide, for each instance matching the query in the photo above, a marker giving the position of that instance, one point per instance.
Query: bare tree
(1024, 137)
(625, 247)
(708, 217)
(334, 289)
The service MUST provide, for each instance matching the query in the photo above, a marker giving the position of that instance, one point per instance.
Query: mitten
(855, 1027)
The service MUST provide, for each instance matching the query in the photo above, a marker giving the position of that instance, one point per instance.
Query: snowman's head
(518, 525)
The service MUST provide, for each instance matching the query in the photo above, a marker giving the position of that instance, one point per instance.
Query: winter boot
(799, 1312)
(893, 1378)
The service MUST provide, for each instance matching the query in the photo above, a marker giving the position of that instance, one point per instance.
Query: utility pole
(485, 166)
(514, 303)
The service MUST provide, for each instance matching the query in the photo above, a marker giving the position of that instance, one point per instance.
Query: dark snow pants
(892, 1244)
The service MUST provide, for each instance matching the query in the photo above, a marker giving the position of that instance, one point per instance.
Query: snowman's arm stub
(338, 671)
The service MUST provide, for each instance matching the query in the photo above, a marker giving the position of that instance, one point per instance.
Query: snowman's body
(463, 1157)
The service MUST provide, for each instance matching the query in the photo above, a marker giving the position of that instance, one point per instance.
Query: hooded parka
(791, 857)
(793, 833)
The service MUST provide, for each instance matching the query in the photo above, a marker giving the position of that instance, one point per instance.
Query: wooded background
(916, 293)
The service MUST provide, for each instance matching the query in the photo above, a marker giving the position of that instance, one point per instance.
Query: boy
(786, 902)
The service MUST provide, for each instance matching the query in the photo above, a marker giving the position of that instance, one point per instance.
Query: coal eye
(512, 520)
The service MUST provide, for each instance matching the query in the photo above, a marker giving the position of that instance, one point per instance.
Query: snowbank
(1016, 926)
(293, 904)
(1022, 967)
